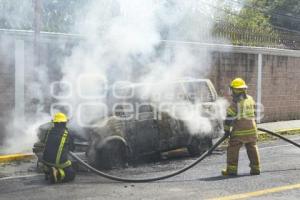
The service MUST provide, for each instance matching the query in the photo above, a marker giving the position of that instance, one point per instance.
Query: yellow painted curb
(14, 157)
(287, 130)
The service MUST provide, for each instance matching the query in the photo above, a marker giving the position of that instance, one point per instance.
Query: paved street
(146, 85)
(279, 180)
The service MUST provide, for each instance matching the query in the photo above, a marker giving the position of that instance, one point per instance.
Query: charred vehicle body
(145, 120)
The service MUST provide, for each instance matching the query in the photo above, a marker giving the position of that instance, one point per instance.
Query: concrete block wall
(281, 88)
(226, 66)
(280, 81)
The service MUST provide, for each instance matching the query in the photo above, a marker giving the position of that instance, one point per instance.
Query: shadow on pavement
(218, 178)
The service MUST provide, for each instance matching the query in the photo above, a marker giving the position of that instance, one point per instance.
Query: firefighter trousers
(66, 174)
(235, 143)
(69, 174)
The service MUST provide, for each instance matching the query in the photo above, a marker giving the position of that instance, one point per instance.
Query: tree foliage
(244, 25)
(283, 13)
(263, 13)
(249, 18)
(263, 22)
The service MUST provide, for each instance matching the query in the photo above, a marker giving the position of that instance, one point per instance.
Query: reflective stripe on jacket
(241, 117)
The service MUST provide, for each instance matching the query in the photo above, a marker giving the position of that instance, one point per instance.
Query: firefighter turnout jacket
(241, 117)
(57, 146)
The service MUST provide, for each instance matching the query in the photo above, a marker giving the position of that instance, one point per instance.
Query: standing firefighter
(241, 127)
(55, 157)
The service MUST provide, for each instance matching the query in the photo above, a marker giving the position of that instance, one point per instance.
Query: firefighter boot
(53, 175)
(255, 170)
(230, 171)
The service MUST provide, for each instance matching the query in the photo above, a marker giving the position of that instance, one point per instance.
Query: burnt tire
(199, 146)
(112, 156)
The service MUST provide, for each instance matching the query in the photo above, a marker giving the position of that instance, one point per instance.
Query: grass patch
(262, 137)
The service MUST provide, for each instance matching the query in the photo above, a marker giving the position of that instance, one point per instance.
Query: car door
(141, 128)
(172, 130)
(146, 130)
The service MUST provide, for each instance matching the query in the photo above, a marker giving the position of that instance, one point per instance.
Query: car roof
(186, 80)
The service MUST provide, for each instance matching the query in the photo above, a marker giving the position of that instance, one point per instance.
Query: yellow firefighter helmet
(238, 83)
(60, 117)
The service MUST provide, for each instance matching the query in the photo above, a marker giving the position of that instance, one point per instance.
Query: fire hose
(202, 157)
(279, 136)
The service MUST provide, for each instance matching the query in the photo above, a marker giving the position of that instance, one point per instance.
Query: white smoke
(135, 41)
(16, 14)
(20, 130)
(123, 41)
(23, 136)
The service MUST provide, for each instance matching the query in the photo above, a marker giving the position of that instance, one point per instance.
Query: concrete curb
(279, 131)
(288, 130)
(15, 157)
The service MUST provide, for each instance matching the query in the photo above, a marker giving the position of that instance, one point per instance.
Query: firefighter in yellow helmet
(58, 168)
(241, 127)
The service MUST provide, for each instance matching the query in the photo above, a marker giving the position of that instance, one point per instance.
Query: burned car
(145, 120)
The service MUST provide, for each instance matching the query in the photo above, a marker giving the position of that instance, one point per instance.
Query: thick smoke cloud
(132, 41)
(16, 14)
(135, 41)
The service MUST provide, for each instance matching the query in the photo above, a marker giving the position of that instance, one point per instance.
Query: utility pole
(37, 30)
(259, 88)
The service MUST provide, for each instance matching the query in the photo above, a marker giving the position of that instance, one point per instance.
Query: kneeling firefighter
(58, 168)
(240, 125)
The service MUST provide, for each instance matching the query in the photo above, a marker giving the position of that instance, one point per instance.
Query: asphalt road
(280, 179)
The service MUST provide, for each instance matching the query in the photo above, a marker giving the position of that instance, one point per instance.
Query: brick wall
(280, 81)
(227, 66)
(281, 88)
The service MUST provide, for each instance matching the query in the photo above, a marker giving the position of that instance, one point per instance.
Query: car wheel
(113, 155)
(199, 146)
